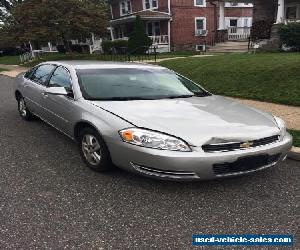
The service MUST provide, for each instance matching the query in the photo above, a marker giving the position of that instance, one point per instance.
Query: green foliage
(55, 20)
(290, 35)
(270, 77)
(119, 46)
(296, 137)
(139, 41)
(107, 46)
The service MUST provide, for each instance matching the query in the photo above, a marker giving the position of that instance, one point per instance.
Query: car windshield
(135, 84)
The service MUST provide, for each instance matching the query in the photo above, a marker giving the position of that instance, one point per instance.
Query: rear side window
(42, 74)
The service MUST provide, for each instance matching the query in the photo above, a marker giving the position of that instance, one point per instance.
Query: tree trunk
(66, 43)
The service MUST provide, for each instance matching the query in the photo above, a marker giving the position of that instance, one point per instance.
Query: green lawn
(15, 60)
(272, 77)
(296, 136)
(76, 56)
(2, 70)
(10, 60)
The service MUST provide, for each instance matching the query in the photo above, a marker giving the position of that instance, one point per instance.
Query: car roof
(103, 65)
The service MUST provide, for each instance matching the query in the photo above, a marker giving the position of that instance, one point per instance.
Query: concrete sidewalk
(290, 114)
(12, 70)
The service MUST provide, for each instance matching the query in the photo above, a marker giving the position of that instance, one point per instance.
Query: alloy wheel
(91, 149)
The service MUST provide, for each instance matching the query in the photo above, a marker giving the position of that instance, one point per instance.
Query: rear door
(60, 109)
(35, 87)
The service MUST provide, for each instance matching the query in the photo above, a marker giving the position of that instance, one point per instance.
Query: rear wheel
(94, 151)
(23, 110)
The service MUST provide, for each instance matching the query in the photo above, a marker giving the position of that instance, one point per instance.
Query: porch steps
(230, 47)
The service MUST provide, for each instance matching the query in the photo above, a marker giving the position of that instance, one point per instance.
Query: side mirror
(56, 91)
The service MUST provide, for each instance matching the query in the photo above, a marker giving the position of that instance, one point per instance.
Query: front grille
(224, 147)
(245, 164)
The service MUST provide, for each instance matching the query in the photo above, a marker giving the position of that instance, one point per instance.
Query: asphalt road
(49, 199)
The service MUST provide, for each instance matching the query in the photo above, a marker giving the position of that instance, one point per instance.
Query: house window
(150, 4)
(200, 26)
(200, 47)
(200, 3)
(125, 8)
(291, 12)
(233, 23)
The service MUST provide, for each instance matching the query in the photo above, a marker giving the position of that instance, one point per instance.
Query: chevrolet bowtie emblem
(246, 145)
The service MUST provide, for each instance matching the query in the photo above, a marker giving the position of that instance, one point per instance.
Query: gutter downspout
(169, 25)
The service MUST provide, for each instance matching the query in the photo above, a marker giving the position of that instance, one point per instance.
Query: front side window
(150, 4)
(60, 78)
(125, 8)
(200, 3)
(42, 74)
(135, 84)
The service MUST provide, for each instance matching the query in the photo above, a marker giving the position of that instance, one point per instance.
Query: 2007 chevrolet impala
(150, 120)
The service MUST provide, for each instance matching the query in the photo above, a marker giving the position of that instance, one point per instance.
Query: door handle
(26, 85)
(44, 94)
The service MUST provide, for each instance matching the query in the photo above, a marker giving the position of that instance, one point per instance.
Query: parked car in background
(150, 120)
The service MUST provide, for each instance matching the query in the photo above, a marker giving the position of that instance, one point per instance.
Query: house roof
(144, 14)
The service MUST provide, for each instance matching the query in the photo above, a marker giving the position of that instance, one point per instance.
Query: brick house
(182, 24)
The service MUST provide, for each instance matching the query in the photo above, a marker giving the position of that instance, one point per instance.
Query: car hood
(197, 120)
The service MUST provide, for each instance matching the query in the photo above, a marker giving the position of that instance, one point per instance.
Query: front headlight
(281, 125)
(151, 139)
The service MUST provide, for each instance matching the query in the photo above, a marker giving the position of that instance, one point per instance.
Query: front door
(60, 109)
(153, 28)
(35, 87)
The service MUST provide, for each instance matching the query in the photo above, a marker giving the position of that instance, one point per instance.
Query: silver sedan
(150, 120)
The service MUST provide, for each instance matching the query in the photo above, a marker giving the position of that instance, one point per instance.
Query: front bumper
(196, 165)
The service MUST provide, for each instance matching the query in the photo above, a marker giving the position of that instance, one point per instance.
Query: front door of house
(153, 28)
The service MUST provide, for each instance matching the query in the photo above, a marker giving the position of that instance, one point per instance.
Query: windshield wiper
(122, 98)
(203, 94)
(179, 96)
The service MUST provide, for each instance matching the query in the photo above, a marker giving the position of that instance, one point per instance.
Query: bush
(107, 47)
(117, 46)
(11, 51)
(76, 48)
(120, 46)
(290, 35)
(139, 42)
(61, 49)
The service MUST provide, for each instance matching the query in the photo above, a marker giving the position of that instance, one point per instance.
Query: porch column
(112, 33)
(280, 12)
(50, 46)
(222, 16)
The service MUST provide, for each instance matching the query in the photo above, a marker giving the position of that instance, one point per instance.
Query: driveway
(49, 199)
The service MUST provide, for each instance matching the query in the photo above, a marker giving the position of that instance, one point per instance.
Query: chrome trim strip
(164, 174)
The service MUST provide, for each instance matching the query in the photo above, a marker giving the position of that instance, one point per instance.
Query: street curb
(294, 154)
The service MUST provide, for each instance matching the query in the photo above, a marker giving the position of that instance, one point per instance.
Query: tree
(6, 6)
(139, 42)
(56, 20)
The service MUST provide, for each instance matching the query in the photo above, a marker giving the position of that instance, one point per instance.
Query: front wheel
(23, 110)
(94, 151)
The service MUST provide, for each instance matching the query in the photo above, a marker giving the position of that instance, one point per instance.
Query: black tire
(91, 159)
(23, 110)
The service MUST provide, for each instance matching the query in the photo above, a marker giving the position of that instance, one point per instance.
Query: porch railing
(163, 39)
(238, 33)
